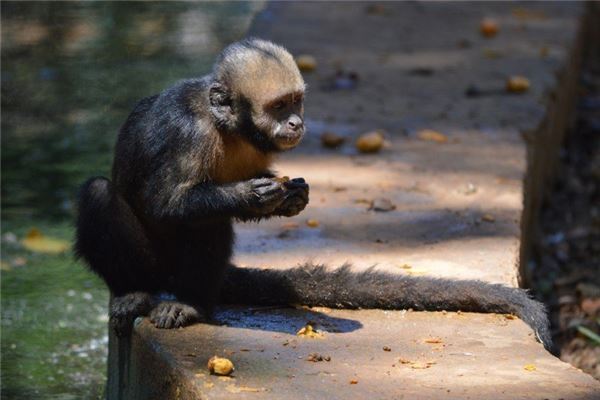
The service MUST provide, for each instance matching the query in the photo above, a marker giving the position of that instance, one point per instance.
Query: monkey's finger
(263, 182)
(296, 183)
(298, 193)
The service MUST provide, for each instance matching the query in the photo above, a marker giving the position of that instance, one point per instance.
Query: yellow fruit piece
(517, 84)
(306, 62)
(331, 140)
(488, 218)
(488, 27)
(308, 331)
(220, 366)
(430, 135)
(313, 223)
(370, 142)
(37, 242)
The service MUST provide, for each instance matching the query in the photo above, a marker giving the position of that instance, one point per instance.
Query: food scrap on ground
(306, 62)
(517, 84)
(312, 223)
(316, 357)
(332, 140)
(309, 332)
(370, 142)
(220, 366)
(488, 27)
(429, 135)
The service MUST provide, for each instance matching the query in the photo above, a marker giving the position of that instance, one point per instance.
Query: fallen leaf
(433, 340)
(354, 381)
(37, 242)
(382, 205)
(430, 135)
(386, 348)
(529, 367)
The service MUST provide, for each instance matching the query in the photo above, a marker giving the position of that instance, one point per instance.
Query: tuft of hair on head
(258, 69)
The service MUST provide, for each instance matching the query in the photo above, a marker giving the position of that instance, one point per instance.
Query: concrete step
(465, 209)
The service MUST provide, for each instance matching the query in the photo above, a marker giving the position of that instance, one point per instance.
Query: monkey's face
(281, 120)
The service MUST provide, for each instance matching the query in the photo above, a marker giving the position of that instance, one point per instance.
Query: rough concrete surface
(459, 208)
(432, 355)
(441, 191)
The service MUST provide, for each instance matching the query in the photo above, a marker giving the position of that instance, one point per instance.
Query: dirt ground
(568, 266)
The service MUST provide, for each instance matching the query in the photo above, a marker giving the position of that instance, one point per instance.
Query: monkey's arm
(245, 200)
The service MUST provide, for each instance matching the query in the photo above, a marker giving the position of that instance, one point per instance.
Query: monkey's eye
(279, 105)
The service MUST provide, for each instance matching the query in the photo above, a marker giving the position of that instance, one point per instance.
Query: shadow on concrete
(282, 319)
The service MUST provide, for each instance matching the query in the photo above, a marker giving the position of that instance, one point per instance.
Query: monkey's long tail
(342, 288)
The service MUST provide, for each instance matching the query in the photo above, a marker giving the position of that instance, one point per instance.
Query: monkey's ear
(221, 104)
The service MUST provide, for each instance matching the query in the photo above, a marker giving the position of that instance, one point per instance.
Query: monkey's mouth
(288, 140)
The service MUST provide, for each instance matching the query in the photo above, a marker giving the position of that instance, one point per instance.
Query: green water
(70, 74)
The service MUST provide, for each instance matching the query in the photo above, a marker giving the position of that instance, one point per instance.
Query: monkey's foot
(124, 309)
(169, 314)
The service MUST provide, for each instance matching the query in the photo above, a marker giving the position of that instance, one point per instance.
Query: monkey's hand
(262, 196)
(296, 198)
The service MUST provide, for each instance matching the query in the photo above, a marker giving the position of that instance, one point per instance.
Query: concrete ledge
(473, 356)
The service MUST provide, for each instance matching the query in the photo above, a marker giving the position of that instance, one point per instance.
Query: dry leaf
(354, 381)
(382, 205)
(433, 340)
(430, 135)
(37, 242)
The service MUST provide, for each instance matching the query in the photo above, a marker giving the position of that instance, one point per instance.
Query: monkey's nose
(295, 123)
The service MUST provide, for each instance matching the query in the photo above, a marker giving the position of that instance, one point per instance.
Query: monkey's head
(257, 91)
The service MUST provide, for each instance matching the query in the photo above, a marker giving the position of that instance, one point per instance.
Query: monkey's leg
(342, 288)
(114, 244)
(198, 266)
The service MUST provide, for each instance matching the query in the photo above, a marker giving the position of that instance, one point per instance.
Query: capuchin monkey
(194, 158)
